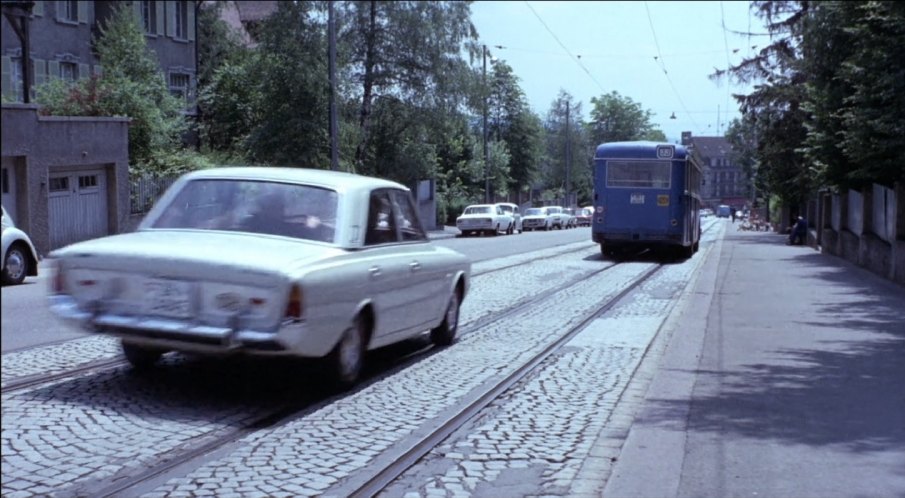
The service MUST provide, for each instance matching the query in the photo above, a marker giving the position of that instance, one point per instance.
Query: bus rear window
(638, 174)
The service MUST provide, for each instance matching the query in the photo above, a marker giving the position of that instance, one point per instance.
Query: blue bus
(647, 195)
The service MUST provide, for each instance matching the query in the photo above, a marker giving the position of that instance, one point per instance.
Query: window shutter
(158, 6)
(38, 9)
(53, 70)
(190, 20)
(171, 19)
(40, 66)
(83, 12)
(83, 71)
(61, 8)
(6, 83)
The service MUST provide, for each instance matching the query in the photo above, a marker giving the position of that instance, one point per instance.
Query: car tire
(15, 266)
(346, 361)
(445, 333)
(510, 230)
(140, 357)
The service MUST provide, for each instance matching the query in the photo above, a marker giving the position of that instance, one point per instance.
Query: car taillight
(294, 306)
(58, 279)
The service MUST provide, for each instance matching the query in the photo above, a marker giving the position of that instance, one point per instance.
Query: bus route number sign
(637, 199)
(665, 151)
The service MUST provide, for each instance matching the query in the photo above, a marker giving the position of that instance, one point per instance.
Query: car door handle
(415, 266)
(375, 271)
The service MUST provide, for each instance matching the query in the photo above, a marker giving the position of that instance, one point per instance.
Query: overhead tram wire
(659, 58)
(728, 62)
(576, 59)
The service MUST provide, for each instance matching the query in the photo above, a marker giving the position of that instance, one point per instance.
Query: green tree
(856, 59)
(407, 50)
(568, 156)
(617, 118)
(290, 101)
(131, 85)
(512, 121)
(775, 108)
(226, 83)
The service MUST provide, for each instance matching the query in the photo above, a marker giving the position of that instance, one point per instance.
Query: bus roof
(638, 150)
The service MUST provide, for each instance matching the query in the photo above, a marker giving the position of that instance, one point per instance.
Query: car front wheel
(347, 358)
(15, 267)
(445, 333)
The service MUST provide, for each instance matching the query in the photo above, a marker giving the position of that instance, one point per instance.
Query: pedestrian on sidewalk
(799, 233)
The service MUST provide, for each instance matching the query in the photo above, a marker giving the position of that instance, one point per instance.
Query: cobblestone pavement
(83, 430)
(313, 455)
(534, 440)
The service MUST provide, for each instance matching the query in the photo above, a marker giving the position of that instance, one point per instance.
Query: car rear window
(285, 209)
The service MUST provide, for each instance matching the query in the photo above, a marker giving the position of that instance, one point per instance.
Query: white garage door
(78, 206)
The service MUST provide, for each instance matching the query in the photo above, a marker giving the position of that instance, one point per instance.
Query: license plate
(637, 199)
(170, 298)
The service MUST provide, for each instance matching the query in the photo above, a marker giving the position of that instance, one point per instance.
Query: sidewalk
(785, 377)
(444, 232)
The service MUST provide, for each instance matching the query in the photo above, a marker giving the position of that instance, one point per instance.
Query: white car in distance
(536, 219)
(485, 218)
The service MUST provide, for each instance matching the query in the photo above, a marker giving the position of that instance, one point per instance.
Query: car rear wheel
(141, 357)
(15, 267)
(347, 358)
(445, 333)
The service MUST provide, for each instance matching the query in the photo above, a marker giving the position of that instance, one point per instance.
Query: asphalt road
(26, 321)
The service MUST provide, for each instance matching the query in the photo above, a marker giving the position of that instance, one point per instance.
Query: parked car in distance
(536, 219)
(266, 262)
(513, 210)
(485, 218)
(558, 219)
(572, 220)
(583, 216)
(19, 258)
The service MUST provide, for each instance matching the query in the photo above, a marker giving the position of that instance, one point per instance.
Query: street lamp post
(486, 150)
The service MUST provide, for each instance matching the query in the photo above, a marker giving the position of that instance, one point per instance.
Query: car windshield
(477, 210)
(284, 209)
(534, 212)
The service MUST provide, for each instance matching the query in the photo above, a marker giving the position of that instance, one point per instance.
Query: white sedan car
(19, 258)
(485, 218)
(267, 261)
(536, 219)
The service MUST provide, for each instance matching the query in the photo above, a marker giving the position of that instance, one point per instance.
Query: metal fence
(145, 190)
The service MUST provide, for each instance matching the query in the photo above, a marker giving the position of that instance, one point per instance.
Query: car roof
(479, 205)
(337, 180)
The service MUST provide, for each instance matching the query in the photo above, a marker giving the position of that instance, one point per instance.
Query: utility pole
(568, 160)
(331, 59)
(486, 150)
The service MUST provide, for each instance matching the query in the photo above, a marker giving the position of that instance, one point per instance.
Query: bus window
(638, 174)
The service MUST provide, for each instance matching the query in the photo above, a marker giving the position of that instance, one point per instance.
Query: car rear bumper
(173, 333)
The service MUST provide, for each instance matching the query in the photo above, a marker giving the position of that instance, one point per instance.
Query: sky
(659, 54)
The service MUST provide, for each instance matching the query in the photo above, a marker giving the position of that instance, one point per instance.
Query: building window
(4, 180)
(87, 181)
(179, 85)
(69, 11)
(59, 184)
(181, 29)
(69, 71)
(149, 17)
(15, 76)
